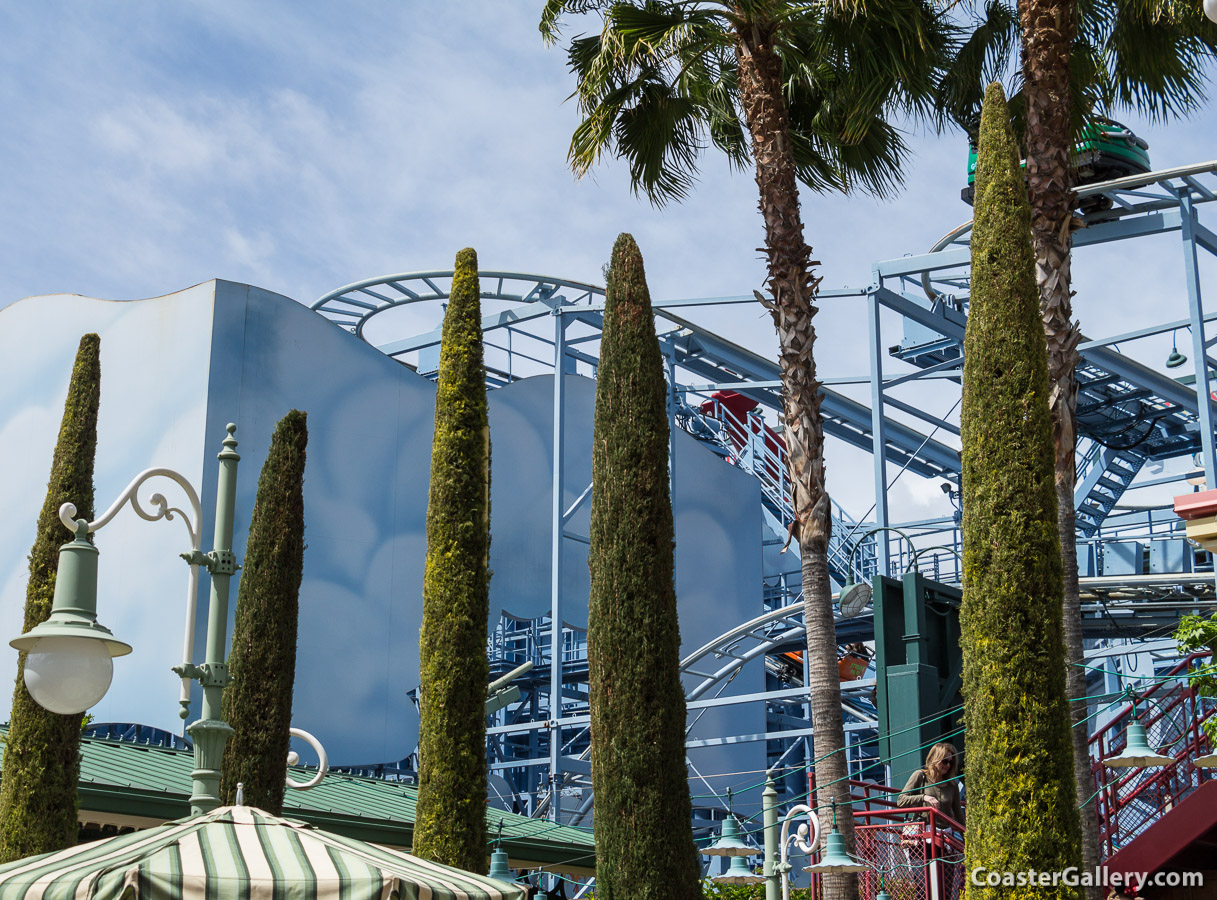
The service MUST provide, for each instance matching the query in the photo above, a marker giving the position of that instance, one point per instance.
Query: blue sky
(300, 146)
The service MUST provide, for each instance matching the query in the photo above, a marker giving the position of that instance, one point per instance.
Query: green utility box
(918, 665)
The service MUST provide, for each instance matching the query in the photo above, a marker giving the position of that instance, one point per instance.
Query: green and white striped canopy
(240, 853)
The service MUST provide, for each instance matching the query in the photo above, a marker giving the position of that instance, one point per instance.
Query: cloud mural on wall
(176, 369)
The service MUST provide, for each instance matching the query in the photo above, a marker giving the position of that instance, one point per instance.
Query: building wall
(176, 369)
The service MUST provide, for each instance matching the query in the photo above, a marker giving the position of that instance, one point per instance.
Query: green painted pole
(210, 732)
(769, 807)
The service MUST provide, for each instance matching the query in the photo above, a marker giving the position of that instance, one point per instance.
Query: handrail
(1129, 800)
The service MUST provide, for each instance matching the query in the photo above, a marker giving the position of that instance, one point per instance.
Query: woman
(935, 786)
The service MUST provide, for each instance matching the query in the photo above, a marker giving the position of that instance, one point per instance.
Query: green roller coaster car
(1106, 150)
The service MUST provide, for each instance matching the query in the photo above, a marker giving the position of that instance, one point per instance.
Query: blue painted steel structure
(1128, 414)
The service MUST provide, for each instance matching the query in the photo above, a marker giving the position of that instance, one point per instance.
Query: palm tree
(1079, 58)
(804, 92)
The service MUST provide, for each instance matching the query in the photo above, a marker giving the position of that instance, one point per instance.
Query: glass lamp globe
(1210, 9)
(67, 675)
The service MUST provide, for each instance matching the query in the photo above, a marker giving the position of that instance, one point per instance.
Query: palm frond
(1159, 58)
(979, 59)
(553, 11)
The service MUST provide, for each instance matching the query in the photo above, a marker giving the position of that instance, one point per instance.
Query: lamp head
(68, 663)
(1210, 9)
(730, 842)
(499, 869)
(738, 873)
(854, 598)
(1137, 752)
(835, 861)
(1176, 359)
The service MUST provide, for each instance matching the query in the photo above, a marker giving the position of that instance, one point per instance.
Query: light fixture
(1137, 752)
(69, 657)
(835, 861)
(499, 869)
(738, 873)
(730, 842)
(1210, 9)
(853, 597)
(1176, 359)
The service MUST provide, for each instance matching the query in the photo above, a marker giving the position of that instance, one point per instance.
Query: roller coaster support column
(878, 428)
(669, 368)
(1204, 397)
(555, 569)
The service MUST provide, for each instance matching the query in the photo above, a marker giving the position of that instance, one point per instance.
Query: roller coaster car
(1106, 150)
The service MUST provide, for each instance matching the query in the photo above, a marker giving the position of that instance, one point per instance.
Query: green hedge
(451, 819)
(644, 838)
(42, 752)
(1021, 804)
(262, 663)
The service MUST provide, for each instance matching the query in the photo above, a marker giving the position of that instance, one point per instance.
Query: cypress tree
(644, 837)
(1022, 810)
(42, 751)
(450, 825)
(262, 663)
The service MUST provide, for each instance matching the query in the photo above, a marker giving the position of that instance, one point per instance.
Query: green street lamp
(69, 656)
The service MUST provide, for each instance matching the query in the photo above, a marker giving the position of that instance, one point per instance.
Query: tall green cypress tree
(42, 751)
(450, 824)
(1021, 803)
(644, 837)
(262, 663)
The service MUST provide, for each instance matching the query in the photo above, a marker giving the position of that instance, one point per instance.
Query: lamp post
(777, 866)
(69, 664)
(853, 595)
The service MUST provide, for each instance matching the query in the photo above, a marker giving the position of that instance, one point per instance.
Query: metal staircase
(1130, 413)
(1104, 474)
(733, 427)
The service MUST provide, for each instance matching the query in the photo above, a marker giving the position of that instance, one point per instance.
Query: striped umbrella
(240, 853)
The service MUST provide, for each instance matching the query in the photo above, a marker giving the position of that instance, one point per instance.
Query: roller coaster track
(1127, 413)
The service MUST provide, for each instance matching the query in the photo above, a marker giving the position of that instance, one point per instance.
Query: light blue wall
(154, 371)
(226, 352)
(365, 498)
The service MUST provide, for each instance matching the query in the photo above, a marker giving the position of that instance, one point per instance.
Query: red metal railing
(915, 853)
(1129, 800)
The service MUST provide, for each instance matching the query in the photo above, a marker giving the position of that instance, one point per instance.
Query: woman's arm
(912, 793)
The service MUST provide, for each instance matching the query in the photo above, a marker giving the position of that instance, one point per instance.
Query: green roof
(119, 779)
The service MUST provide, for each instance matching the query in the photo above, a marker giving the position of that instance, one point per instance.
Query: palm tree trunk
(793, 288)
(1048, 28)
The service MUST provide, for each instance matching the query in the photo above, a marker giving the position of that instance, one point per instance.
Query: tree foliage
(451, 816)
(1151, 57)
(262, 663)
(1198, 633)
(42, 751)
(805, 93)
(644, 838)
(1021, 807)
(660, 84)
